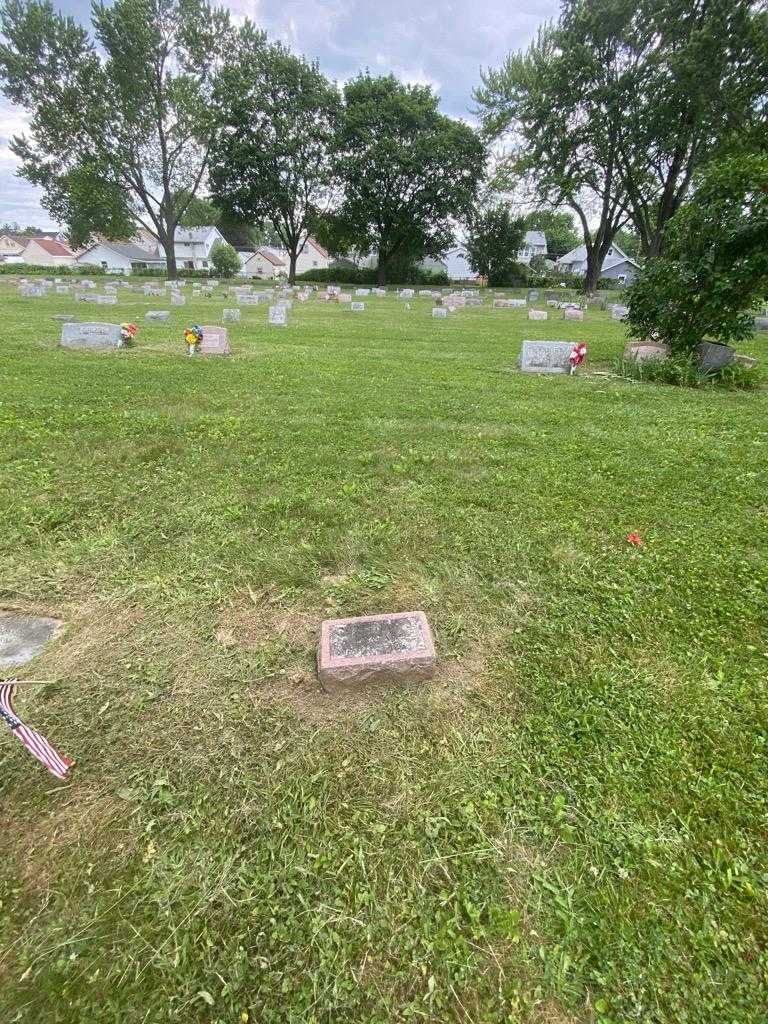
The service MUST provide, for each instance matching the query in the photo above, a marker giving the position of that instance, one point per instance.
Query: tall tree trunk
(594, 265)
(381, 271)
(167, 240)
(293, 257)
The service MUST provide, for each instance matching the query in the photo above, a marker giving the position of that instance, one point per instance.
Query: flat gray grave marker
(374, 648)
(215, 341)
(619, 312)
(157, 314)
(546, 356)
(106, 300)
(90, 335)
(439, 312)
(231, 314)
(64, 318)
(22, 637)
(278, 316)
(357, 307)
(177, 300)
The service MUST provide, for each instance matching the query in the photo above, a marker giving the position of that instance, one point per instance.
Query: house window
(314, 263)
(205, 264)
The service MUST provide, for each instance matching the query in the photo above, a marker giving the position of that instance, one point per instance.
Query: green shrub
(367, 276)
(30, 269)
(683, 371)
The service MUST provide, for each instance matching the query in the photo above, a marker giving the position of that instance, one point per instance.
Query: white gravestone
(619, 312)
(362, 291)
(90, 335)
(572, 313)
(177, 300)
(357, 307)
(278, 316)
(537, 314)
(546, 356)
(439, 312)
(215, 341)
(106, 300)
(157, 314)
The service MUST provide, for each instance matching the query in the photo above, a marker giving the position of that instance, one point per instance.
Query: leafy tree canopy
(224, 260)
(559, 228)
(121, 125)
(275, 158)
(493, 241)
(715, 262)
(408, 171)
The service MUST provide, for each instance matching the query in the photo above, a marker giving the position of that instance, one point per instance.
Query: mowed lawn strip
(567, 824)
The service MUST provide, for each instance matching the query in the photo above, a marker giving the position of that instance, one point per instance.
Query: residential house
(616, 265)
(47, 252)
(457, 265)
(312, 257)
(121, 257)
(193, 247)
(12, 248)
(265, 263)
(534, 244)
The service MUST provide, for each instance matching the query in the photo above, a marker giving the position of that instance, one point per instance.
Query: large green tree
(408, 171)
(274, 159)
(553, 105)
(689, 78)
(558, 226)
(121, 127)
(494, 239)
(714, 267)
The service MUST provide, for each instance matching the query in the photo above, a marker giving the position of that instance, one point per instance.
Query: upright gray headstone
(546, 356)
(90, 335)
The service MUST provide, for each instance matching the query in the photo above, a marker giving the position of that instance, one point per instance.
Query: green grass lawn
(568, 824)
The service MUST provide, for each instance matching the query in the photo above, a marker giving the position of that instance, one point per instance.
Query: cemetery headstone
(538, 314)
(640, 351)
(357, 307)
(533, 295)
(62, 289)
(546, 356)
(177, 300)
(572, 313)
(215, 341)
(231, 314)
(157, 314)
(278, 316)
(343, 297)
(90, 335)
(619, 312)
(439, 312)
(106, 300)
(22, 637)
(374, 648)
(362, 291)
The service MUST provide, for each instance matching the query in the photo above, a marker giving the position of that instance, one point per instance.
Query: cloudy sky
(443, 44)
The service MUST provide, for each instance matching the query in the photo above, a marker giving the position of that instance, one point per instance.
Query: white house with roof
(193, 247)
(534, 244)
(616, 265)
(121, 257)
(266, 263)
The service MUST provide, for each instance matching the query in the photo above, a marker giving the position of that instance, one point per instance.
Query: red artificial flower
(635, 540)
(578, 354)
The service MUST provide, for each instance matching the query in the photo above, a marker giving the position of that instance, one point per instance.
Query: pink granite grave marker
(215, 341)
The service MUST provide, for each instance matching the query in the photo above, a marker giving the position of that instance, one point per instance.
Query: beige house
(12, 247)
(46, 252)
(312, 257)
(265, 263)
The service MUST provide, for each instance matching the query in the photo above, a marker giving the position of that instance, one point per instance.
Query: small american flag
(36, 744)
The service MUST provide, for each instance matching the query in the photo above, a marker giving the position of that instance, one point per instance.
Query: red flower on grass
(635, 540)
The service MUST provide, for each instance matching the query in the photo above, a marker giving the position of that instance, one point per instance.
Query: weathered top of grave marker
(546, 356)
(375, 647)
(90, 335)
(23, 636)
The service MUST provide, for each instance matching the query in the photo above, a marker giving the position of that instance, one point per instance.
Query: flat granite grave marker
(106, 300)
(62, 289)
(231, 314)
(546, 356)
(538, 314)
(439, 312)
(619, 312)
(157, 314)
(90, 335)
(374, 648)
(357, 307)
(215, 341)
(640, 351)
(278, 316)
(571, 313)
(177, 299)
(22, 637)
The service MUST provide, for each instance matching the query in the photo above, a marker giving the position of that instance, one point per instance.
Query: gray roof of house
(132, 252)
(535, 238)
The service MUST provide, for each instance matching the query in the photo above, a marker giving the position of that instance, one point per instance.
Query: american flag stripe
(36, 744)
